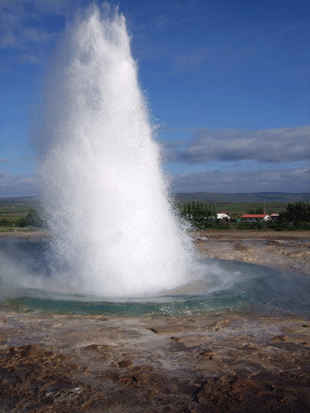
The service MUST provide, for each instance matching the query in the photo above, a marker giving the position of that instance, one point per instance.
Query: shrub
(256, 211)
(298, 211)
(32, 219)
(4, 222)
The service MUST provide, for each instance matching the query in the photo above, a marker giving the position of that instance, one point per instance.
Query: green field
(236, 210)
(13, 209)
(17, 205)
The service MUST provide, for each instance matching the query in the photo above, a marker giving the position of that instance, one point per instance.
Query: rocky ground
(223, 362)
(287, 251)
(219, 363)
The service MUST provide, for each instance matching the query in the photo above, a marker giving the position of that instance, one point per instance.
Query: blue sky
(227, 83)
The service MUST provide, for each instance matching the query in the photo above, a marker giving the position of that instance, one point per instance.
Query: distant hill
(23, 199)
(202, 196)
(241, 198)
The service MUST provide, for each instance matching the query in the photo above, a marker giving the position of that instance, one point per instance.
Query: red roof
(254, 215)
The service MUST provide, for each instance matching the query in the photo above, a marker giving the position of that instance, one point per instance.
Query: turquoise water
(215, 285)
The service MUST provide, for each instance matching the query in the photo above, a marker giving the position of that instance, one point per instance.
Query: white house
(223, 216)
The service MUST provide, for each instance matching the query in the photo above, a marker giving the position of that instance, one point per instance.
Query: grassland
(13, 209)
(236, 210)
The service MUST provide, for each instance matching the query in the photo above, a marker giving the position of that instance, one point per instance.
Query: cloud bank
(23, 39)
(283, 154)
(265, 145)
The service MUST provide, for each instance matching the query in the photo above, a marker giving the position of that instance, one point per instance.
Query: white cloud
(192, 60)
(22, 38)
(55, 6)
(7, 40)
(160, 21)
(29, 59)
(169, 150)
(18, 29)
(4, 174)
(27, 157)
(34, 35)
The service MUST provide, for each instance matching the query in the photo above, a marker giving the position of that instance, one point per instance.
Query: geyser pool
(28, 285)
(103, 191)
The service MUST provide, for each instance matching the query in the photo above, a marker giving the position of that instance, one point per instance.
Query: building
(223, 216)
(255, 217)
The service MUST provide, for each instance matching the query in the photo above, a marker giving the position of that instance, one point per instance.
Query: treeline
(202, 215)
(296, 217)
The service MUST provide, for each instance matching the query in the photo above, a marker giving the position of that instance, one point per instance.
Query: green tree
(32, 219)
(4, 222)
(256, 211)
(197, 213)
(298, 211)
(296, 217)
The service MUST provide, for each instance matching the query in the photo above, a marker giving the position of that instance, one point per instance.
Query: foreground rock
(219, 363)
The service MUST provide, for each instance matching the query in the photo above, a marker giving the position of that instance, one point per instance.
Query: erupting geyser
(105, 197)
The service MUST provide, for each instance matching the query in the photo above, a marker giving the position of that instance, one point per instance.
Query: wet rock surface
(204, 363)
(286, 251)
